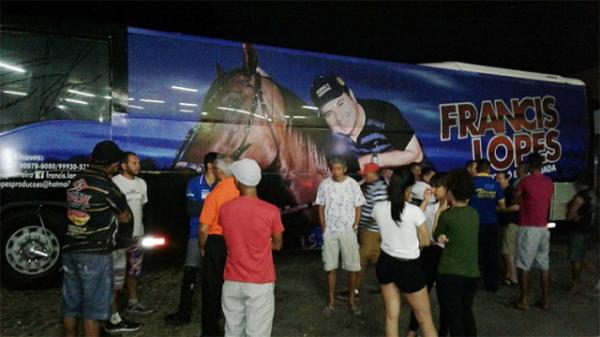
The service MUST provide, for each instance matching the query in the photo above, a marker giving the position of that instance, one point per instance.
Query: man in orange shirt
(212, 246)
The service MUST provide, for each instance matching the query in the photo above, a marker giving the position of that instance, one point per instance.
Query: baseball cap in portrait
(326, 87)
(106, 152)
(246, 171)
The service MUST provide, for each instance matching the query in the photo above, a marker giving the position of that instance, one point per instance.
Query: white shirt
(399, 239)
(136, 192)
(340, 200)
(430, 211)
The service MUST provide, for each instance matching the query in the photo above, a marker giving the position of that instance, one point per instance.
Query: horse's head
(229, 94)
(243, 113)
(245, 117)
(236, 90)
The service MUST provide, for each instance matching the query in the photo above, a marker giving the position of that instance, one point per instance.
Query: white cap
(246, 171)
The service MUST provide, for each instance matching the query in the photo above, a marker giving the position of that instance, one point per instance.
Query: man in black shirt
(508, 219)
(95, 208)
(581, 211)
(364, 131)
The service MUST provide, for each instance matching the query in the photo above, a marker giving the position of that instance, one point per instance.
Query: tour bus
(171, 98)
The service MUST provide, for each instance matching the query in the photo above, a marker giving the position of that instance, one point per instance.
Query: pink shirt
(248, 224)
(536, 196)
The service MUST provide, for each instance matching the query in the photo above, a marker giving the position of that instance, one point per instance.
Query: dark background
(551, 37)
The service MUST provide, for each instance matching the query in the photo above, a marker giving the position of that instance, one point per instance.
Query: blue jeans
(87, 286)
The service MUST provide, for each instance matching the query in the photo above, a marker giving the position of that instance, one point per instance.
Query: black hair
(210, 158)
(505, 173)
(337, 160)
(125, 157)
(524, 166)
(460, 183)
(535, 162)
(483, 165)
(584, 179)
(440, 180)
(426, 171)
(401, 180)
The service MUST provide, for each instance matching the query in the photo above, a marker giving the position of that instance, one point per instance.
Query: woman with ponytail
(403, 231)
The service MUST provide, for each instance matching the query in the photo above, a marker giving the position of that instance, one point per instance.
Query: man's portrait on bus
(363, 130)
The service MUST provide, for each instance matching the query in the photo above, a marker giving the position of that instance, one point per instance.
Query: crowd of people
(420, 229)
(102, 252)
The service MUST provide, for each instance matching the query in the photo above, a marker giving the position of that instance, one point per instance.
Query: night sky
(550, 37)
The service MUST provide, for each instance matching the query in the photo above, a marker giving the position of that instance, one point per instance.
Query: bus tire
(31, 258)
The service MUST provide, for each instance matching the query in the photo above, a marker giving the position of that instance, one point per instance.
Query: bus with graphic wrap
(171, 98)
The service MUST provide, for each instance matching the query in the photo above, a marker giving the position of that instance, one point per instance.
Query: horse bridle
(257, 101)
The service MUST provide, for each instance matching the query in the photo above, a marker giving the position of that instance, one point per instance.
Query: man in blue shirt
(197, 190)
(487, 197)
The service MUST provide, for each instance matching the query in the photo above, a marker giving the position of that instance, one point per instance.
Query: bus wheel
(30, 252)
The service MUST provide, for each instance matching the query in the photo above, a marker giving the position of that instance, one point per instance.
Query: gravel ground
(300, 297)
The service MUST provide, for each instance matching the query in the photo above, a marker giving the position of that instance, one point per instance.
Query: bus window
(48, 77)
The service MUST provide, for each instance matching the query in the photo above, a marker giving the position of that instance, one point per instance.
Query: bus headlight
(150, 242)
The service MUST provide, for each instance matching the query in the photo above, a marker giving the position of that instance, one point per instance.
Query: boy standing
(340, 199)
(252, 228)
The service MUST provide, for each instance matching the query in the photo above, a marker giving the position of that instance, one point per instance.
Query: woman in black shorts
(403, 231)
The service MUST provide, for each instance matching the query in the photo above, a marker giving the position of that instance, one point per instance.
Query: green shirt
(461, 226)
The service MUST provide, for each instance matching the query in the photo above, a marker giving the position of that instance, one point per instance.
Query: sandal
(328, 310)
(517, 305)
(356, 310)
(542, 306)
(575, 289)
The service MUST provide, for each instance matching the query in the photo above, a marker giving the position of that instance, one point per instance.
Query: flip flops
(328, 310)
(355, 310)
(517, 305)
(542, 306)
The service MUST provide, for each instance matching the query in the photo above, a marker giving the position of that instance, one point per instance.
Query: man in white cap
(252, 228)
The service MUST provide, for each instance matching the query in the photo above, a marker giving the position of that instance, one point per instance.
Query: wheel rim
(32, 251)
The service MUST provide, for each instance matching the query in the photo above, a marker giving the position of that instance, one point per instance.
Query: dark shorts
(406, 274)
(430, 259)
(87, 286)
(578, 243)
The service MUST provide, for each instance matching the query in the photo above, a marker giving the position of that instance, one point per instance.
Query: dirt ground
(300, 297)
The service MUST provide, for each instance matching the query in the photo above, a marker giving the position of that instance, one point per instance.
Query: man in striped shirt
(364, 131)
(375, 190)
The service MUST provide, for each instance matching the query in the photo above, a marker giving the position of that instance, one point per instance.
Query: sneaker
(139, 308)
(343, 295)
(123, 326)
(177, 318)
